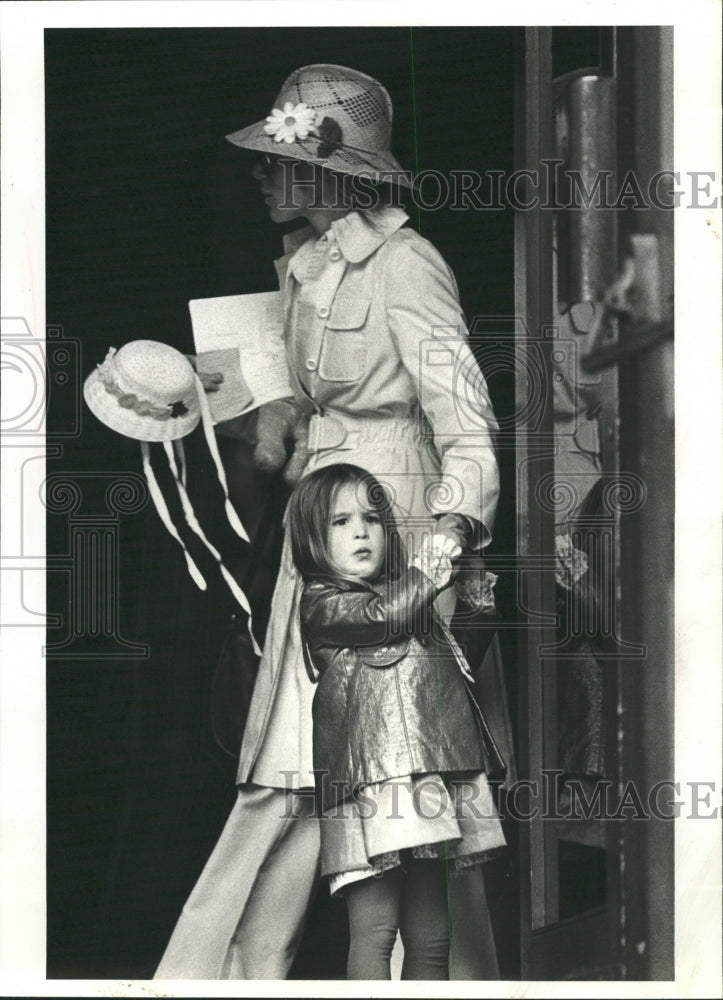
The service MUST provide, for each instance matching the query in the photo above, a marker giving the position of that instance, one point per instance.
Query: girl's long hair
(309, 516)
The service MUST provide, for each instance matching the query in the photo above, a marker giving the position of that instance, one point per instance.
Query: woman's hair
(365, 195)
(309, 516)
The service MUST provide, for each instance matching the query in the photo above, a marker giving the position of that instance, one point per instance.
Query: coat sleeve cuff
(470, 533)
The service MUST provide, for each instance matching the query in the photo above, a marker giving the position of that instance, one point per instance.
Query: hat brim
(367, 163)
(107, 409)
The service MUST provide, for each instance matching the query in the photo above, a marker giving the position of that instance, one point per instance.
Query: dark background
(148, 206)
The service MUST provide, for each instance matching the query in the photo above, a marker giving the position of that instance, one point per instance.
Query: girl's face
(356, 539)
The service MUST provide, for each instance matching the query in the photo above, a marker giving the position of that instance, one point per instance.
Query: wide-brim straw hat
(330, 115)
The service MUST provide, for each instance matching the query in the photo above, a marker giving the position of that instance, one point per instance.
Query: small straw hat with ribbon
(149, 391)
(331, 115)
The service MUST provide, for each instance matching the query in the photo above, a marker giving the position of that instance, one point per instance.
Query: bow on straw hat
(331, 115)
(149, 391)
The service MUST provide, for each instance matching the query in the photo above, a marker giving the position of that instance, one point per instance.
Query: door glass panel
(577, 705)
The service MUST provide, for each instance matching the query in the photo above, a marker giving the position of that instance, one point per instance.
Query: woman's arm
(426, 322)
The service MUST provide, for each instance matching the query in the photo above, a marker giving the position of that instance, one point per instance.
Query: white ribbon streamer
(192, 520)
(164, 515)
(208, 431)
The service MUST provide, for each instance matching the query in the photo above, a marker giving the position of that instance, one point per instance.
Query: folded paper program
(242, 337)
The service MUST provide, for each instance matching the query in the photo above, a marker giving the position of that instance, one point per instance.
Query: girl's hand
(210, 381)
(434, 558)
(449, 545)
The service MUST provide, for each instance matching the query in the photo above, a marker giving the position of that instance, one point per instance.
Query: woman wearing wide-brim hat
(379, 362)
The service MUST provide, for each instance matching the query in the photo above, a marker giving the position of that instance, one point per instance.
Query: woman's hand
(459, 527)
(210, 381)
(435, 556)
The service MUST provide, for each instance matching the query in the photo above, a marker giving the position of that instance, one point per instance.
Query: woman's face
(356, 540)
(291, 188)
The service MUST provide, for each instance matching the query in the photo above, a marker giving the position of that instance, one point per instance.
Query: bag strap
(237, 627)
(264, 530)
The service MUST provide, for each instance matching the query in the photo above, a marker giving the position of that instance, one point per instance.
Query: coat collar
(357, 235)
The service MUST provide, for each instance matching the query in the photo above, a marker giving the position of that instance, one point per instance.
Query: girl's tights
(413, 902)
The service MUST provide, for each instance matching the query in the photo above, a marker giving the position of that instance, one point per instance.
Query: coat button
(311, 365)
(335, 254)
(323, 311)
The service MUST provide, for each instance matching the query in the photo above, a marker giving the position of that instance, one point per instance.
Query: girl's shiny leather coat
(391, 699)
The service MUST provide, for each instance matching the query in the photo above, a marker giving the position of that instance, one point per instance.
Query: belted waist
(344, 431)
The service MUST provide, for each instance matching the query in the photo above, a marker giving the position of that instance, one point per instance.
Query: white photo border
(697, 138)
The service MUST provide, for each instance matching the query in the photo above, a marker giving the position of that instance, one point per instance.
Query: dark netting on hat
(360, 103)
(352, 158)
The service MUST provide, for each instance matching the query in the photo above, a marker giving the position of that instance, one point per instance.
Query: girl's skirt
(452, 820)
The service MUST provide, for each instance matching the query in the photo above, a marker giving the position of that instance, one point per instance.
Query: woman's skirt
(452, 819)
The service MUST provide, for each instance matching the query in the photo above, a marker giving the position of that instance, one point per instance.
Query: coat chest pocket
(383, 656)
(344, 350)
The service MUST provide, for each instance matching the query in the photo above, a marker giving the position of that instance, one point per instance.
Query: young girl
(392, 715)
